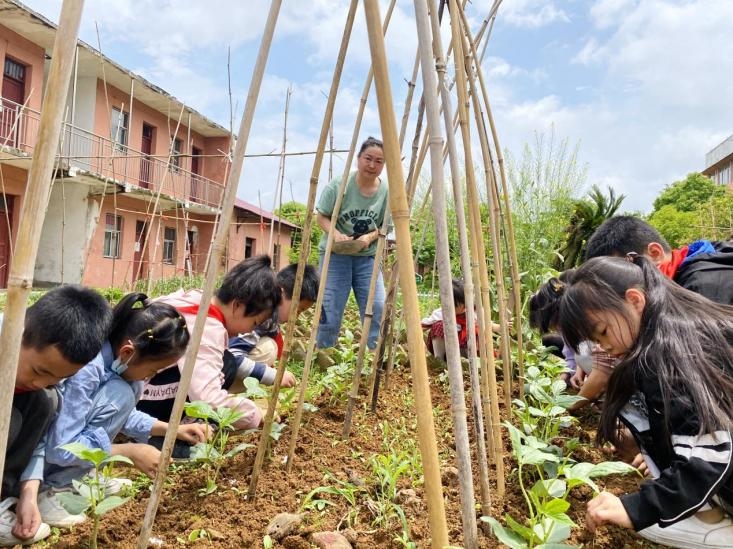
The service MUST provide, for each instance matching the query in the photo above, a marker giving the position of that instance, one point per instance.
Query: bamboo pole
(222, 231)
(304, 252)
(514, 265)
(378, 256)
(281, 172)
(401, 214)
(295, 424)
(494, 215)
(445, 279)
(38, 190)
(468, 284)
(477, 238)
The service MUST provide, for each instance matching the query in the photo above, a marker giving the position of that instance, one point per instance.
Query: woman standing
(355, 242)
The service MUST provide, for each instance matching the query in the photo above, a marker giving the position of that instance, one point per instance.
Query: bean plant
(546, 473)
(90, 497)
(213, 452)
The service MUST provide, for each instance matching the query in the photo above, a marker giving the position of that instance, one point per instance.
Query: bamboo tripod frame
(38, 191)
(295, 426)
(401, 214)
(217, 249)
(304, 252)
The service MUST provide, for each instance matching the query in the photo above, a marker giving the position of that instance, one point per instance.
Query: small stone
(450, 476)
(330, 540)
(405, 494)
(351, 535)
(353, 477)
(323, 360)
(215, 534)
(283, 525)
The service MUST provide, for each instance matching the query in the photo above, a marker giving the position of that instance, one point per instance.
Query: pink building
(140, 178)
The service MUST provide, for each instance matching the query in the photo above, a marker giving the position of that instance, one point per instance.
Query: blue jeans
(112, 405)
(344, 273)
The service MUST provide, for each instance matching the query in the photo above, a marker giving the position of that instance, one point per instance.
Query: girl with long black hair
(673, 389)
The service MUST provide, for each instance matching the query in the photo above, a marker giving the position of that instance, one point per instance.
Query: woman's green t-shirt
(358, 214)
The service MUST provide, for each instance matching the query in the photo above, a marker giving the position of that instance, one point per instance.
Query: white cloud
(532, 14)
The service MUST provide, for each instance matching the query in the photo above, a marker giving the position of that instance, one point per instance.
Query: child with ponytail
(673, 390)
(99, 401)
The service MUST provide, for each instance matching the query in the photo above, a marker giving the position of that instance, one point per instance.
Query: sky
(642, 86)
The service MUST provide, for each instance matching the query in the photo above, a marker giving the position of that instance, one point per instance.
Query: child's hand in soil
(193, 433)
(144, 457)
(641, 465)
(27, 513)
(576, 382)
(288, 380)
(606, 509)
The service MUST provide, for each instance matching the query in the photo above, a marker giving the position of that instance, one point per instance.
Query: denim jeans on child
(111, 407)
(344, 273)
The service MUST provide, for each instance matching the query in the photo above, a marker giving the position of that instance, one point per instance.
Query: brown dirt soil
(234, 522)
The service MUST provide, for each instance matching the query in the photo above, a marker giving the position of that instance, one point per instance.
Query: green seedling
(199, 533)
(213, 453)
(548, 524)
(316, 500)
(90, 497)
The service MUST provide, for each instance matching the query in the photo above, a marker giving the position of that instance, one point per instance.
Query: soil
(233, 522)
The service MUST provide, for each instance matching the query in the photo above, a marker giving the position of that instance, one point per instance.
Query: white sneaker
(7, 522)
(114, 485)
(54, 514)
(693, 533)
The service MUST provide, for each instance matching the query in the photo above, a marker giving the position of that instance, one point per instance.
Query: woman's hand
(338, 236)
(606, 509)
(193, 433)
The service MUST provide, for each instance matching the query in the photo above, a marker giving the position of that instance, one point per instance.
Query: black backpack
(710, 275)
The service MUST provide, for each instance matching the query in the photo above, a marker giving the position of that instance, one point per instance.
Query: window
(14, 70)
(724, 175)
(175, 166)
(119, 128)
(112, 235)
(249, 247)
(169, 245)
(276, 257)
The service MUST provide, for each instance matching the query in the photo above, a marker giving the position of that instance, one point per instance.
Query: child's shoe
(54, 514)
(7, 522)
(699, 530)
(114, 485)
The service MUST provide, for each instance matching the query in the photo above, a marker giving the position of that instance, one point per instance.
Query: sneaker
(694, 532)
(54, 514)
(114, 485)
(7, 522)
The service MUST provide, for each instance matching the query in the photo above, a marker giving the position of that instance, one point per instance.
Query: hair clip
(631, 257)
(150, 333)
(557, 286)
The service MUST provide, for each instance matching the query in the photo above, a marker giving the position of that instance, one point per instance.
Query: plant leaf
(118, 459)
(552, 487)
(200, 410)
(523, 531)
(107, 504)
(73, 503)
(611, 468)
(556, 506)
(238, 448)
(81, 451)
(507, 537)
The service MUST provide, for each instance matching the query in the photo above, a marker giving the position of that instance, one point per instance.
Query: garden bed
(225, 519)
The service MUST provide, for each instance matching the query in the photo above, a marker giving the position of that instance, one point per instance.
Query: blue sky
(643, 86)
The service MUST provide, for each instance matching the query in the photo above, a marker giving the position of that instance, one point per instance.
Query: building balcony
(81, 150)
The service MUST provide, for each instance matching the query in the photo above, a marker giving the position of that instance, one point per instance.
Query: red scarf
(214, 312)
(669, 268)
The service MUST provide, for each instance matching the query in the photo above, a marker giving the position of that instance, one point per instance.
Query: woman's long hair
(685, 340)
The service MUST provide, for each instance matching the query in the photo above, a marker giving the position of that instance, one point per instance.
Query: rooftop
(720, 152)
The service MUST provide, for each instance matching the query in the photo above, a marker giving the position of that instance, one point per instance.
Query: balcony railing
(104, 158)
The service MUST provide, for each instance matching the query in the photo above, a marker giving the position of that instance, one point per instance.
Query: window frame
(176, 153)
(249, 243)
(169, 246)
(118, 115)
(115, 236)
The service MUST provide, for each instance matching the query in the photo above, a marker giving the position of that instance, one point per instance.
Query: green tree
(295, 213)
(590, 212)
(677, 227)
(688, 194)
